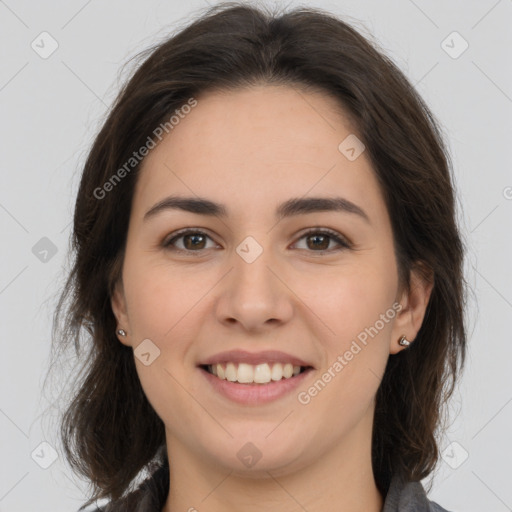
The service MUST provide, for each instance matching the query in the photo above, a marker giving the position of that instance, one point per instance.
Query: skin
(251, 150)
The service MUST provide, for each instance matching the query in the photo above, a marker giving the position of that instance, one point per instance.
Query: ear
(414, 302)
(118, 303)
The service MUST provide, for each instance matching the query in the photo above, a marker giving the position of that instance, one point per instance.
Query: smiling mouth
(264, 373)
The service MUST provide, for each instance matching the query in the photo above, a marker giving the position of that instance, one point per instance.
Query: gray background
(51, 108)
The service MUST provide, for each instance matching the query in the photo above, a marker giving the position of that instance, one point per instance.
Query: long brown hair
(109, 431)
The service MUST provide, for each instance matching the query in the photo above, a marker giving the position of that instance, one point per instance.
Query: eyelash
(333, 235)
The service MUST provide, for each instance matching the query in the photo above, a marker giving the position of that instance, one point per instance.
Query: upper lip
(242, 356)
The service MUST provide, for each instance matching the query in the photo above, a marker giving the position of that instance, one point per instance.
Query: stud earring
(403, 342)
(121, 332)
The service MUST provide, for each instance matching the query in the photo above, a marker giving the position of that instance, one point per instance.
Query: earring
(121, 332)
(403, 341)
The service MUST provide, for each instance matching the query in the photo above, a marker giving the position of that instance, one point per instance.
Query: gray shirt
(151, 495)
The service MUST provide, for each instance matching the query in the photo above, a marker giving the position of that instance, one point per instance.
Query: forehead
(258, 145)
(261, 122)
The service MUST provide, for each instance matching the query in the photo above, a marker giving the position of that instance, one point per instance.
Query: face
(306, 303)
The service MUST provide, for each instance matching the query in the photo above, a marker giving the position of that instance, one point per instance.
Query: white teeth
(231, 372)
(245, 373)
(248, 373)
(277, 372)
(262, 373)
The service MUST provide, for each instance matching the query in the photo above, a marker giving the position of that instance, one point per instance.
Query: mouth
(251, 378)
(255, 379)
(260, 374)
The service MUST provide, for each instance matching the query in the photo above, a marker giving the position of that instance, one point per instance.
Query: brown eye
(192, 241)
(319, 240)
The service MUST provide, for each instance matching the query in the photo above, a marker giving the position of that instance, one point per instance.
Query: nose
(254, 294)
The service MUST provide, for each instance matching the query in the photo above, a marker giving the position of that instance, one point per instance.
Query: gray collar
(151, 495)
(405, 496)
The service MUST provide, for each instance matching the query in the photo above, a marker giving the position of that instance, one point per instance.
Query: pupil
(325, 239)
(194, 243)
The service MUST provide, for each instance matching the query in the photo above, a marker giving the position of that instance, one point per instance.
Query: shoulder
(148, 497)
(404, 496)
(91, 508)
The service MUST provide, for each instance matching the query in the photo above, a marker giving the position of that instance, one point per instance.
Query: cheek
(161, 309)
(352, 299)
(165, 305)
(159, 297)
(357, 308)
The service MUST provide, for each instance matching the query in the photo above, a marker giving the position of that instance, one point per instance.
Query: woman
(269, 271)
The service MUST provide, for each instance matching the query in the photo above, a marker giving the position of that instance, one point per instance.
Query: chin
(255, 456)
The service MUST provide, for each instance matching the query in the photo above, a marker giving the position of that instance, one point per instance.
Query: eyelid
(182, 232)
(335, 235)
(340, 239)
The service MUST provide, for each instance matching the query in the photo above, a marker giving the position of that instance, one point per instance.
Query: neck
(342, 476)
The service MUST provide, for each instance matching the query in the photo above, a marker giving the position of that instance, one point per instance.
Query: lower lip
(255, 394)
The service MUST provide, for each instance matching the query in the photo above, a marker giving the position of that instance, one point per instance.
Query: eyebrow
(291, 207)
